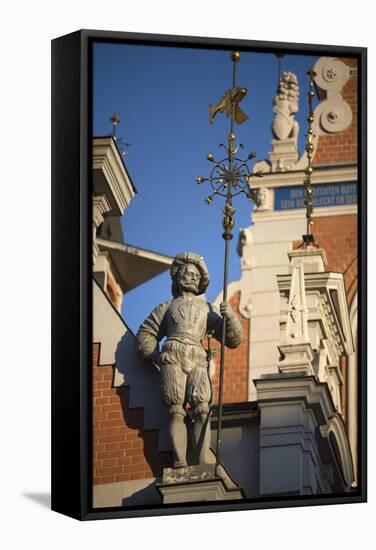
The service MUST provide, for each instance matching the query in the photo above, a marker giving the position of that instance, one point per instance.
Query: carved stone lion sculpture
(286, 105)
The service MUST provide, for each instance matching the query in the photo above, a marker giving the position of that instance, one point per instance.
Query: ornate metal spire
(229, 177)
(308, 237)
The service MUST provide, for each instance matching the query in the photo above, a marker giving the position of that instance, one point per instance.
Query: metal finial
(121, 144)
(229, 102)
(308, 238)
(115, 121)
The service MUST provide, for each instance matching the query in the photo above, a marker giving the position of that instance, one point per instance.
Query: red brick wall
(236, 364)
(337, 235)
(122, 449)
(341, 147)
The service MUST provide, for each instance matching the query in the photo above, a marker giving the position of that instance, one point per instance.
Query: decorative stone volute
(101, 205)
(331, 74)
(110, 175)
(333, 114)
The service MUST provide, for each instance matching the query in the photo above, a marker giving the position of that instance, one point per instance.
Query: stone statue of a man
(184, 322)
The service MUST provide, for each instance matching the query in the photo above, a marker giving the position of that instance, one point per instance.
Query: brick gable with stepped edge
(122, 449)
(130, 435)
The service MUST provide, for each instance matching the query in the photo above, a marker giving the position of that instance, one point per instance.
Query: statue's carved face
(189, 278)
(262, 197)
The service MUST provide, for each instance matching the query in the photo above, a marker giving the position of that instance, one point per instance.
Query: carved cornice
(111, 176)
(283, 387)
(323, 174)
(100, 207)
(300, 213)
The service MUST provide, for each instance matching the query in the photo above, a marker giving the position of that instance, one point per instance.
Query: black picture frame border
(71, 479)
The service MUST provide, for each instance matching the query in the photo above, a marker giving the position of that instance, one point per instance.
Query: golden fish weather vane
(229, 103)
(229, 177)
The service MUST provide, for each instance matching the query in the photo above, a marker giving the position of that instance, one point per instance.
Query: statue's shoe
(179, 464)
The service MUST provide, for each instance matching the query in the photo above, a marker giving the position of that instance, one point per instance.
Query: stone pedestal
(197, 484)
(297, 359)
(312, 258)
(284, 154)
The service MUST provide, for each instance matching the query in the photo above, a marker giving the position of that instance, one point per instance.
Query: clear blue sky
(161, 95)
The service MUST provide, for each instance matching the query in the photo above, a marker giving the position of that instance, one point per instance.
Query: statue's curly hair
(181, 260)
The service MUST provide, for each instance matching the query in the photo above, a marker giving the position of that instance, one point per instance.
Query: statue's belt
(184, 339)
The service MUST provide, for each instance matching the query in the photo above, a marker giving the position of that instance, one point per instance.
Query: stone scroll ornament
(333, 113)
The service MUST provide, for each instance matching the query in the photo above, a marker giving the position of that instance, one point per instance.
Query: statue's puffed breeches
(184, 378)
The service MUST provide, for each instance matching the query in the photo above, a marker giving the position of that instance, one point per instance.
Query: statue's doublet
(184, 323)
(187, 321)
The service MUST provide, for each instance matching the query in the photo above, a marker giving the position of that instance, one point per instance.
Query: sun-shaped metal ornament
(230, 175)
